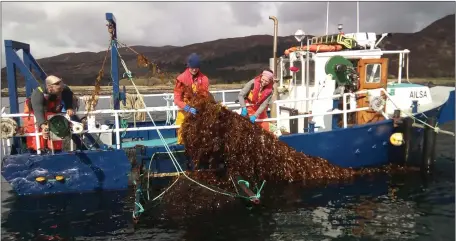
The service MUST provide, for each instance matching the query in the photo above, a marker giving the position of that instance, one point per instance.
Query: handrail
(168, 94)
(112, 111)
(117, 129)
(165, 108)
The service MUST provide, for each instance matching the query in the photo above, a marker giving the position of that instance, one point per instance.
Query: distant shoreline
(107, 90)
(160, 89)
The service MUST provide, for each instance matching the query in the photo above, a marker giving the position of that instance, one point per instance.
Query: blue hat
(193, 61)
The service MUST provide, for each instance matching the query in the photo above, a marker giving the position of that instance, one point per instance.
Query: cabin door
(373, 74)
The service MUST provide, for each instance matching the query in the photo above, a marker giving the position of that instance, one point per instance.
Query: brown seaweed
(218, 137)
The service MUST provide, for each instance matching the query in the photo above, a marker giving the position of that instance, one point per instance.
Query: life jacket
(257, 97)
(53, 106)
(198, 84)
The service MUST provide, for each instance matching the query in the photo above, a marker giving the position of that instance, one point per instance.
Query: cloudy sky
(59, 27)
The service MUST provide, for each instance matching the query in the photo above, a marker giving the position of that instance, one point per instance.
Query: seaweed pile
(228, 145)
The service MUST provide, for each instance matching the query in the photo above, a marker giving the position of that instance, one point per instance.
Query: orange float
(315, 48)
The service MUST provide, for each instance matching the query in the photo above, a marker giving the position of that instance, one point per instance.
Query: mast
(276, 85)
(357, 16)
(327, 17)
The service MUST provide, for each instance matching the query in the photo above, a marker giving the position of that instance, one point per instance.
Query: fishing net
(229, 148)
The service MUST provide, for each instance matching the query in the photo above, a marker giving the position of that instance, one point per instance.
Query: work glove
(244, 112)
(45, 131)
(252, 118)
(189, 109)
(70, 112)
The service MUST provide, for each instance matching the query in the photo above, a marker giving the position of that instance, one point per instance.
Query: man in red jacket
(193, 77)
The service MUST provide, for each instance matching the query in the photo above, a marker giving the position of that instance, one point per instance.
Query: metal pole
(276, 86)
(327, 17)
(307, 74)
(114, 61)
(357, 17)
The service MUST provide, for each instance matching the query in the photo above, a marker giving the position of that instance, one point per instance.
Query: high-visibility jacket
(52, 107)
(256, 97)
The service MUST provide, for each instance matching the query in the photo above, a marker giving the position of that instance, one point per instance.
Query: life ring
(315, 48)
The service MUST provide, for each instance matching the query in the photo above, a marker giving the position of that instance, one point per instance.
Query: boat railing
(222, 92)
(344, 110)
(169, 97)
(118, 129)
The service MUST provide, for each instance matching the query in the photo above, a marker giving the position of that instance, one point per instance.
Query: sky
(53, 28)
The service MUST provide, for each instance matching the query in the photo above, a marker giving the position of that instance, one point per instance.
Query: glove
(244, 112)
(189, 109)
(252, 118)
(45, 131)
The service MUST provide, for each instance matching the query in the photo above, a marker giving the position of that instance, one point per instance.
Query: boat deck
(149, 143)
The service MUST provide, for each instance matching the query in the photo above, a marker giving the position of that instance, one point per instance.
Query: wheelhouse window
(311, 73)
(297, 77)
(373, 73)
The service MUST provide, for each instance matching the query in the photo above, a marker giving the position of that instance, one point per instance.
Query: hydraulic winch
(62, 127)
(343, 71)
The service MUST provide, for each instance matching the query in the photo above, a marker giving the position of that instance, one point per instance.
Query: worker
(191, 77)
(43, 103)
(258, 93)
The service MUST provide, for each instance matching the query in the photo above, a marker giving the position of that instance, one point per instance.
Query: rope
(169, 99)
(247, 184)
(132, 101)
(138, 203)
(435, 128)
(89, 103)
(94, 98)
(8, 127)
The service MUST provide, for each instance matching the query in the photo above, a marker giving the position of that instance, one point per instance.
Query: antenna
(357, 17)
(327, 16)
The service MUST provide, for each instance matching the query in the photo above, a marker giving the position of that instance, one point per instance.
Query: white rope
(168, 99)
(8, 127)
(132, 101)
(88, 102)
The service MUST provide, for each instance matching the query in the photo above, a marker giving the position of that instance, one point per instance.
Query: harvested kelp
(229, 148)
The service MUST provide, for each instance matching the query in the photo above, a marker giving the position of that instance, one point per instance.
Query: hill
(238, 59)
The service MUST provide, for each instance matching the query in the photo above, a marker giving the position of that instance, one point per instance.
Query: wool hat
(52, 79)
(193, 61)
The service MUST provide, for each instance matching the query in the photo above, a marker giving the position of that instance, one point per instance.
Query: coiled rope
(89, 103)
(8, 127)
(132, 101)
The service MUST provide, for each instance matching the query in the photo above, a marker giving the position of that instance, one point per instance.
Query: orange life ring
(316, 48)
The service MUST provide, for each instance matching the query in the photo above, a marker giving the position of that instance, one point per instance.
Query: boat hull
(83, 171)
(359, 146)
(356, 147)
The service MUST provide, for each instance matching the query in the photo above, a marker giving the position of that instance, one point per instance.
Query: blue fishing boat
(334, 101)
